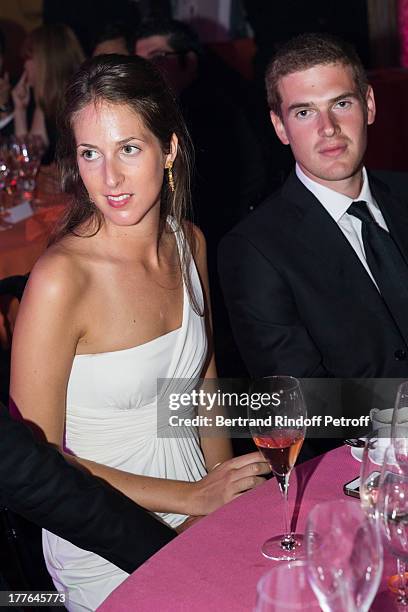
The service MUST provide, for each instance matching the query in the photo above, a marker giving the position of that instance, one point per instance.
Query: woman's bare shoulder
(52, 305)
(60, 274)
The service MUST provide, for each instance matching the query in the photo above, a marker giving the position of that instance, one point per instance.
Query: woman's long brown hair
(58, 55)
(136, 83)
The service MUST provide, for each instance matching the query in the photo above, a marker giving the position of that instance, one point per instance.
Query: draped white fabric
(111, 418)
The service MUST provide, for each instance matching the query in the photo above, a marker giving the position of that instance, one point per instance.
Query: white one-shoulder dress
(111, 418)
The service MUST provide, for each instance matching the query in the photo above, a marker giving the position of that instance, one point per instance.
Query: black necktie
(386, 264)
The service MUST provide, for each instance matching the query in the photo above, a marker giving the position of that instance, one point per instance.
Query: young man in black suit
(316, 279)
(36, 482)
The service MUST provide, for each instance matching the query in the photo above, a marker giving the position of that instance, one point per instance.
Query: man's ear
(279, 128)
(370, 101)
(171, 156)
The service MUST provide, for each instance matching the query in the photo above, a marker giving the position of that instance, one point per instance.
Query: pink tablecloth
(216, 564)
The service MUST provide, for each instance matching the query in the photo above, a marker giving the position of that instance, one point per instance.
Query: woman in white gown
(118, 301)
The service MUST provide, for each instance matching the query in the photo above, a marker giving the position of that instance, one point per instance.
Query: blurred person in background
(113, 37)
(230, 176)
(84, 17)
(52, 54)
(175, 47)
(4, 79)
(6, 108)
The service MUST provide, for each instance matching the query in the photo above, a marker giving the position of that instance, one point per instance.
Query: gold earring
(170, 176)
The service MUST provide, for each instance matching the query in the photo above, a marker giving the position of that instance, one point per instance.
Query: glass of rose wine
(276, 420)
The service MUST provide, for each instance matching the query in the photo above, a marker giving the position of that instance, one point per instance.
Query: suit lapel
(395, 213)
(320, 234)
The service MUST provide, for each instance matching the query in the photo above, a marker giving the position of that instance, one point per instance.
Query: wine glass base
(273, 549)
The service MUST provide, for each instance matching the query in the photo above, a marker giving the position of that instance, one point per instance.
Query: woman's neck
(134, 242)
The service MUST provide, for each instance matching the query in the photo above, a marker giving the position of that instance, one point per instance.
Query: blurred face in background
(153, 46)
(113, 45)
(178, 68)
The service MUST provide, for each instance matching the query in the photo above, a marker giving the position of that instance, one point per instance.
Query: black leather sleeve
(37, 482)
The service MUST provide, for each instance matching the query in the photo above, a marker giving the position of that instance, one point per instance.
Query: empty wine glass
(373, 458)
(392, 506)
(376, 444)
(277, 428)
(26, 154)
(344, 556)
(286, 587)
(400, 413)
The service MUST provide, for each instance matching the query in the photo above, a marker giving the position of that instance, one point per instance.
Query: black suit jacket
(299, 299)
(36, 482)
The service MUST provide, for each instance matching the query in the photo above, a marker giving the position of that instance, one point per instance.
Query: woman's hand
(226, 481)
(21, 93)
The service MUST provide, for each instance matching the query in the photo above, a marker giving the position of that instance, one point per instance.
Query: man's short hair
(110, 30)
(306, 51)
(181, 38)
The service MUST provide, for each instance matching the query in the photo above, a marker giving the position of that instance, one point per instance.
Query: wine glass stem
(402, 583)
(288, 540)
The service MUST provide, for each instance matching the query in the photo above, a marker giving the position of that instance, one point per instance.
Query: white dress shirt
(337, 204)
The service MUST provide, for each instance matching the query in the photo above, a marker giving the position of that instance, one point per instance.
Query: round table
(216, 564)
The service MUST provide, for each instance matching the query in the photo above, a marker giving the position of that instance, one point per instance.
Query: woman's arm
(47, 331)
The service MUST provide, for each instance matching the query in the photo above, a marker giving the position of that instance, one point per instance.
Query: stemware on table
(400, 413)
(376, 444)
(344, 555)
(25, 159)
(392, 506)
(278, 433)
(286, 588)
